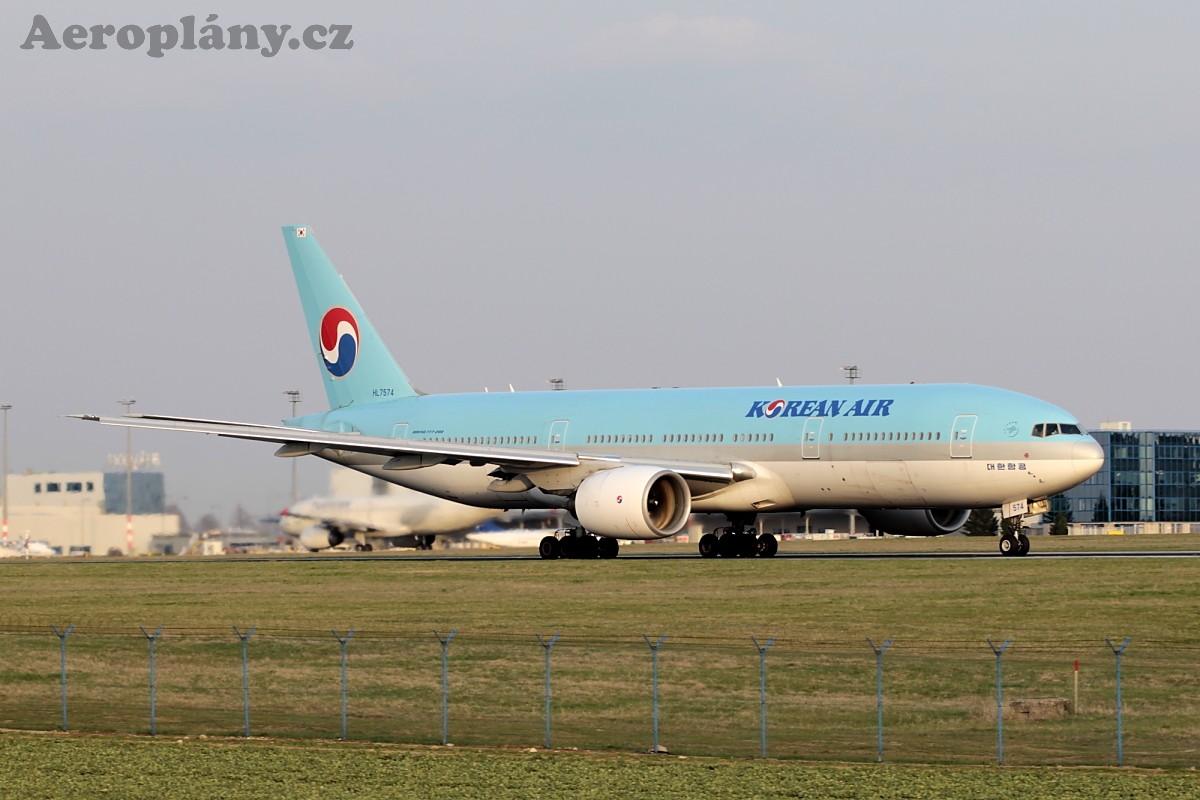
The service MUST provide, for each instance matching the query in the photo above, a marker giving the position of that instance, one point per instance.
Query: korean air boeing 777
(633, 464)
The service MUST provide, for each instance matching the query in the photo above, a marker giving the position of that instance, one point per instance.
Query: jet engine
(916, 521)
(633, 502)
(318, 538)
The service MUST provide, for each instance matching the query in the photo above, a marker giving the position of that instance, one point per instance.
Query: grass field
(87, 766)
(939, 673)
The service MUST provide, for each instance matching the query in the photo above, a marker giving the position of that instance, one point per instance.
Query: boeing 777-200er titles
(633, 464)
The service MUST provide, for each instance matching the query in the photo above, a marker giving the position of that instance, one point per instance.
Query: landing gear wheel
(727, 545)
(767, 545)
(708, 545)
(589, 547)
(368, 547)
(747, 545)
(548, 548)
(1022, 544)
(568, 546)
(1008, 545)
(608, 547)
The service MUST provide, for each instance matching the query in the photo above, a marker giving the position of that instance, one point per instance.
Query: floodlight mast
(294, 399)
(128, 403)
(851, 371)
(4, 488)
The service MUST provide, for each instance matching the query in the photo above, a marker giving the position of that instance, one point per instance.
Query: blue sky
(619, 194)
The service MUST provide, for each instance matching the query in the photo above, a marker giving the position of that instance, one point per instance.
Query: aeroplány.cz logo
(156, 40)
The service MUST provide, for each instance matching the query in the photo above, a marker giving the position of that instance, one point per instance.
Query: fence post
(445, 683)
(343, 643)
(62, 641)
(762, 690)
(152, 638)
(654, 680)
(879, 695)
(245, 637)
(546, 645)
(1117, 652)
(999, 651)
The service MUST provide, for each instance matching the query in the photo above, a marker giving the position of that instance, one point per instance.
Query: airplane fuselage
(899, 446)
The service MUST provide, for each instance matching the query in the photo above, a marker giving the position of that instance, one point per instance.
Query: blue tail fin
(356, 365)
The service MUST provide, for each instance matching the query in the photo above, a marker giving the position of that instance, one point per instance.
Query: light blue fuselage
(821, 446)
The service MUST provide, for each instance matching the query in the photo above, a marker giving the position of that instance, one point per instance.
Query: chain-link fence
(862, 699)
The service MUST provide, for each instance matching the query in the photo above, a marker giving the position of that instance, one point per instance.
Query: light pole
(128, 403)
(294, 398)
(4, 489)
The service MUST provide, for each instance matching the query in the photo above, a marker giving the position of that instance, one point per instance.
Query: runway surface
(779, 556)
(493, 556)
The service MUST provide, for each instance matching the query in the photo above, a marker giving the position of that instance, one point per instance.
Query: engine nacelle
(318, 538)
(916, 521)
(633, 502)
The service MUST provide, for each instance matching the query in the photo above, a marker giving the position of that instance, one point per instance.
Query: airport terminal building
(1150, 483)
(84, 512)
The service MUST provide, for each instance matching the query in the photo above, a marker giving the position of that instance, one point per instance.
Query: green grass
(71, 766)
(939, 673)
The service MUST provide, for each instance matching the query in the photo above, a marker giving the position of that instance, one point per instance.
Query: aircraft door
(962, 436)
(557, 440)
(810, 439)
(400, 430)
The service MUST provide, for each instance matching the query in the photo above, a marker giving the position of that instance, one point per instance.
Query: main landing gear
(1014, 544)
(578, 543)
(738, 540)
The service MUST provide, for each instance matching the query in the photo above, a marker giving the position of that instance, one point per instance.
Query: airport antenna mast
(128, 403)
(294, 399)
(4, 489)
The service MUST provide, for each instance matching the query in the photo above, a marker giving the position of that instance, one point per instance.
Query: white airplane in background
(17, 548)
(402, 518)
(634, 464)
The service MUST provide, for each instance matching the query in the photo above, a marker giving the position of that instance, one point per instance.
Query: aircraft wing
(406, 453)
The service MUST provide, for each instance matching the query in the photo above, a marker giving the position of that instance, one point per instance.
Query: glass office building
(1148, 476)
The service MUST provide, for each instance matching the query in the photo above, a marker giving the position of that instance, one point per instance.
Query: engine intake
(633, 502)
(916, 521)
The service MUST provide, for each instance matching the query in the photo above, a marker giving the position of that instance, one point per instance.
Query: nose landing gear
(1014, 544)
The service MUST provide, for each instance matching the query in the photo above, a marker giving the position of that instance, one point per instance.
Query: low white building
(84, 512)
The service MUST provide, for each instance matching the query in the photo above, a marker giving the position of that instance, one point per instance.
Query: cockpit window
(1043, 429)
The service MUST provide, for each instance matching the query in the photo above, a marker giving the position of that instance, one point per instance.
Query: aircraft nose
(1087, 458)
